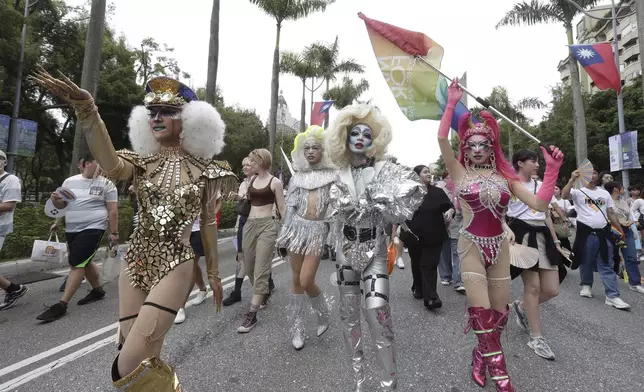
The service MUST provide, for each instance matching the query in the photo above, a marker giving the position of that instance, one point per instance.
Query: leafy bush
(30, 223)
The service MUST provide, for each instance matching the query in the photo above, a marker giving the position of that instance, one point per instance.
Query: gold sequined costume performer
(174, 138)
(370, 194)
(305, 229)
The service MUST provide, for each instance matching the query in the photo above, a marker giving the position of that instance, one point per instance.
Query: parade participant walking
(534, 229)
(484, 182)
(260, 232)
(425, 240)
(593, 247)
(10, 195)
(174, 137)
(370, 193)
(94, 211)
(305, 228)
(241, 196)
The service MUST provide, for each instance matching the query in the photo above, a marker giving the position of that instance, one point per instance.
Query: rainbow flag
(420, 91)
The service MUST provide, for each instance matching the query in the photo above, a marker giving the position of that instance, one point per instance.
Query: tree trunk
(303, 109)
(275, 86)
(91, 71)
(326, 119)
(213, 54)
(510, 146)
(579, 117)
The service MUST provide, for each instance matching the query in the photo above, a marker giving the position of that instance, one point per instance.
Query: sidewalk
(25, 266)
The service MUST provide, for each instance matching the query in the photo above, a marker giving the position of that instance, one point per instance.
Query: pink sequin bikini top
(487, 198)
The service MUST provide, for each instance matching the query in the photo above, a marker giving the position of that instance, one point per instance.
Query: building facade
(287, 125)
(591, 30)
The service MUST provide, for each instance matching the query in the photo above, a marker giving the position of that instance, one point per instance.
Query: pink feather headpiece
(477, 129)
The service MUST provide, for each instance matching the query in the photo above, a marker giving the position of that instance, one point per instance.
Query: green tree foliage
(346, 93)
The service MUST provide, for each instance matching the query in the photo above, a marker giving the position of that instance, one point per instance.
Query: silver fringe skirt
(304, 237)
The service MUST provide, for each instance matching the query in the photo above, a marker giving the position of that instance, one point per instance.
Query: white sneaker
(617, 303)
(399, 263)
(637, 288)
(201, 296)
(586, 292)
(445, 282)
(181, 316)
(406, 250)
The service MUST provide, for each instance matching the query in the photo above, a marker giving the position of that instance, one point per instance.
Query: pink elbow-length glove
(554, 159)
(454, 94)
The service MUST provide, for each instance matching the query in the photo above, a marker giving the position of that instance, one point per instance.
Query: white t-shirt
(637, 208)
(587, 212)
(519, 210)
(10, 191)
(565, 205)
(195, 226)
(89, 210)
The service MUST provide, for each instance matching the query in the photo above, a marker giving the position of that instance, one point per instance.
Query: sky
(522, 59)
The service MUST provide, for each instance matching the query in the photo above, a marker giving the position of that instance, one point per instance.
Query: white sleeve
(13, 190)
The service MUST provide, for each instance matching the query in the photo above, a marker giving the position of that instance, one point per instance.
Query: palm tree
(328, 56)
(282, 10)
(91, 71)
(213, 54)
(557, 11)
(304, 66)
(346, 93)
(500, 99)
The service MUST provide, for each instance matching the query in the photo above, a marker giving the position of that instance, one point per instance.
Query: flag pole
(486, 104)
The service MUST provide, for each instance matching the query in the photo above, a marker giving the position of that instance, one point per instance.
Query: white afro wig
(202, 130)
(337, 133)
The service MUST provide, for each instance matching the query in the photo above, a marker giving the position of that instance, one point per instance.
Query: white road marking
(32, 375)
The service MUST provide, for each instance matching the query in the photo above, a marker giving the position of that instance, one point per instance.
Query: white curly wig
(202, 130)
(337, 134)
(317, 133)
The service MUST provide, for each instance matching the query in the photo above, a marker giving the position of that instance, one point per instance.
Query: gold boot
(151, 375)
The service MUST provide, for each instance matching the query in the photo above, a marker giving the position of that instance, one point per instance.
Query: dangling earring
(493, 160)
(181, 139)
(466, 159)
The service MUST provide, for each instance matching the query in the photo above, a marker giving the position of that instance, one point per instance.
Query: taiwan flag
(599, 62)
(320, 112)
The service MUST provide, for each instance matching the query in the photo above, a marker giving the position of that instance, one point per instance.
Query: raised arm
(452, 165)
(93, 127)
(565, 192)
(541, 201)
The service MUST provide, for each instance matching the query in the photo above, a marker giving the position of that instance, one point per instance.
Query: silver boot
(296, 320)
(321, 306)
(382, 333)
(350, 299)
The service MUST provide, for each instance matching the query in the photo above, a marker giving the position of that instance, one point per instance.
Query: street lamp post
(12, 147)
(620, 101)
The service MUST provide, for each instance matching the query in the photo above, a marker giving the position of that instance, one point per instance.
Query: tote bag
(49, 251)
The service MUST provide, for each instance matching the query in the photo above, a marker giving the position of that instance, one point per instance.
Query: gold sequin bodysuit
(167, 206)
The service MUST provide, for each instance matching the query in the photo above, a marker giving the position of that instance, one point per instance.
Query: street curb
(25, 266)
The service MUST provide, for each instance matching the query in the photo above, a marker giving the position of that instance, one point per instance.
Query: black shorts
(197, 244)
(83, 246)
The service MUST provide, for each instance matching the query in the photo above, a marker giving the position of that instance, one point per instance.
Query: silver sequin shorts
(304, 237)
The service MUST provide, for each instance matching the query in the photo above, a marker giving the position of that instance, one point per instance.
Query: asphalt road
(598, 348)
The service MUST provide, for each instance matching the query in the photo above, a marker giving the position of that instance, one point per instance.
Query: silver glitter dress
(305, 226)
(362, 202)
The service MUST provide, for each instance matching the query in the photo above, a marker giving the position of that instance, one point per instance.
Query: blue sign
(28, 132)
(5, 123)
(623, 151)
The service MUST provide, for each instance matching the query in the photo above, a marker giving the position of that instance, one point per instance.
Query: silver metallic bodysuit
(360, 210)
